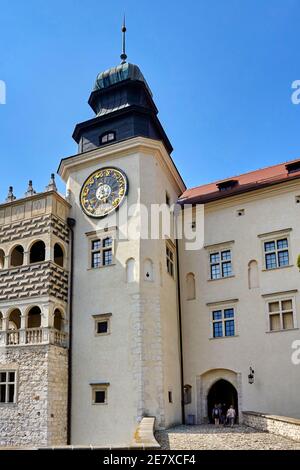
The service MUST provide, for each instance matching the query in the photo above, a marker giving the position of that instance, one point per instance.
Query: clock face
(103, 191)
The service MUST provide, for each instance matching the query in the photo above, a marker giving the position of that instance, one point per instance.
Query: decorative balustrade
(32, 336)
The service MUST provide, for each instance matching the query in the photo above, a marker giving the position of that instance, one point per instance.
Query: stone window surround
(49, 240)
(99, 387)
(101, 234)
(279, 297)
(218, 247)
(11, 368)
(204, 383)
(222, 305)
(274, 236)
(100, 318)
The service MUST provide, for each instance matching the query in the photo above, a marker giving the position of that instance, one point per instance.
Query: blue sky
(220, 71)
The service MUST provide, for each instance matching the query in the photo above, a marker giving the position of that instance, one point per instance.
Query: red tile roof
(245, 182)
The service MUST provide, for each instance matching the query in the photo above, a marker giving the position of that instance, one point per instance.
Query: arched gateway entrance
(222, 392)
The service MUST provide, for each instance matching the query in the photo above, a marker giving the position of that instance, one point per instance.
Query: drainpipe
(71, 224)
(180, 334)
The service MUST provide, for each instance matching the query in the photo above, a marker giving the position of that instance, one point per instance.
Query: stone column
(26, 259)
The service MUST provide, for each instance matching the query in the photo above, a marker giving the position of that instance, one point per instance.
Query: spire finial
(123, 55)
(30, 191)
(52, 185)
(10, 196)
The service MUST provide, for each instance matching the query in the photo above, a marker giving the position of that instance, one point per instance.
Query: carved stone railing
(31, 336)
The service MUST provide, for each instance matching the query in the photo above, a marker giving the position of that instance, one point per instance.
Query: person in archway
(231, 414)
(216, 415)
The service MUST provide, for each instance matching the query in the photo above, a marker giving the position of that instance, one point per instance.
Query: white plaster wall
(277, 380)
(140, 357)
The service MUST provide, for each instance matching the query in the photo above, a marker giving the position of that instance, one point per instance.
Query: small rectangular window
(170, 396)
(99, 394)
(102, 324)
(7, 387)
(276, 253)
(102, 327)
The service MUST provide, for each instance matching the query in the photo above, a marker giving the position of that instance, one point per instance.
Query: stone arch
(148, 270)
(17, 256)
(59, 255)
(253, 276)
(14, 319)
(34, 317)
(58, 319)
(37, 252)
(204, 383)
(2, 259)
(190, 286)
(130, 270)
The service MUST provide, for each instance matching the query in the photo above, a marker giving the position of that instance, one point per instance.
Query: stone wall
(39, 417)
(34, 280)
(280, 425)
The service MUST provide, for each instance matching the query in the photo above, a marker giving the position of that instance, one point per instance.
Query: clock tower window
(107, 137)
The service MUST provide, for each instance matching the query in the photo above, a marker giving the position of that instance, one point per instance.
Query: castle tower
(125, 341)
(34, 274)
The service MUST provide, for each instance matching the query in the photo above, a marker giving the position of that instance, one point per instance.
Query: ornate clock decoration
(103, 191)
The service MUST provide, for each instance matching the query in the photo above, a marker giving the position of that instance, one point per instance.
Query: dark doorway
(222, 392)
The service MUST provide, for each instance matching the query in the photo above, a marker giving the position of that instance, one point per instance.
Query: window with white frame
(281, 315)
(101, 252)
(7, 386)
(223, 322)
(276, 253)
(220, 264)
(170, 259)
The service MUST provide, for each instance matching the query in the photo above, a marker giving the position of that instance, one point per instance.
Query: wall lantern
(251, 376)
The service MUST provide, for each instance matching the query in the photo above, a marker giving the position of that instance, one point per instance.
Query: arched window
(253, 277)
(107, 137)
(130, 270)
(2, 259)
(148, 270)
(58, 255)
(37, 252)
(17, 256)
(58, 320)
(190, 287)
(14, 322)
(34, 318)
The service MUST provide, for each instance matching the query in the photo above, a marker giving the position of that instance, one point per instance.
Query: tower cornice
(118, 149)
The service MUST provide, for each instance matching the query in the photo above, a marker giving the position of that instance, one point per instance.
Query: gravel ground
(210, 437)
